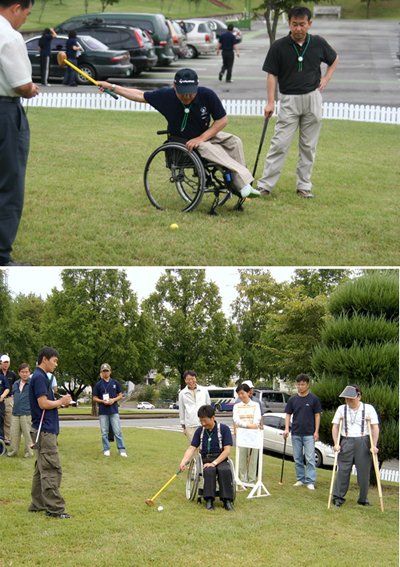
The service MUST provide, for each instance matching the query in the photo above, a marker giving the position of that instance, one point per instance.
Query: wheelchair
(3, 448)
(172, 166)
(194, 481)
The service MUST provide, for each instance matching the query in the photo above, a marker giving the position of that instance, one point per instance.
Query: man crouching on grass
(214, 441)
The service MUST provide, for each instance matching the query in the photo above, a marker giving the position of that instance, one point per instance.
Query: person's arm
(187, 457)
(328, 75)
(216, 127)
(46, 404)
(4, 394)
(224, 455)
(375, 437)
(236, 49)
(130, 94)
(335, 435)
(27, 91)
(53, 33)
(317, 424)
(287, 425)
(218, 48)
(271, 88)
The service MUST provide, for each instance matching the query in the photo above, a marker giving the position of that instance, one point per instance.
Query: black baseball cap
(186, 81)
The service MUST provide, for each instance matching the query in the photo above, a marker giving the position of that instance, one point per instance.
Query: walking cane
(283, 460)
(261, 145)
(375, 460)
(334, 464)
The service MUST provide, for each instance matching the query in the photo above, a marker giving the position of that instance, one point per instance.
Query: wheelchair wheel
(174, 178)
(232, 467)
(193, 478)
(3, 448)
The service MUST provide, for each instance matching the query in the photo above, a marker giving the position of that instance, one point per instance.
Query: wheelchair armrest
(161, 132)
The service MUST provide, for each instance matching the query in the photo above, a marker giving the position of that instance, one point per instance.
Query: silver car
(200, 38)
(274, 426)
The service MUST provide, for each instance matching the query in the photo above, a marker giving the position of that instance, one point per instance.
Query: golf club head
(61, 57)
(35, 446)
(149, 502)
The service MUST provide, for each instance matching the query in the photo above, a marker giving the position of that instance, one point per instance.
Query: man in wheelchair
(214, 441)
(189, 110)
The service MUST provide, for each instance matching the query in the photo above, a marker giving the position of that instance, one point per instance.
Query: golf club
(283, 460)
(35, 445)
(149, 501)
(375, 460)
(261, 145)
(62, 60)
(334, 464)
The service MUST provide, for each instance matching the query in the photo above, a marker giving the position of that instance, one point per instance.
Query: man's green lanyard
(209, 435)
(185, 116)
(301, 57)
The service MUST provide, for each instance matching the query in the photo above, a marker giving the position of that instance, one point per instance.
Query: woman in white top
(247, 414)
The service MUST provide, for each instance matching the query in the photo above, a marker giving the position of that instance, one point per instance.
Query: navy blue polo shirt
(227, 41)
(214, 447)
(39, 386)
(45, 44)
(71, 53)
(282, 61)
(303, 409)
(112, 388)
(205, 106)
(4, 385)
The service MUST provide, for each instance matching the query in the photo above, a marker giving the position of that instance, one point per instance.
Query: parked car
(200, 38)
(179, 42)
(220, 28)
(96, 59)
(272, 400)
(145, 405)
(155, 24)
(274, 426)
(140, 45)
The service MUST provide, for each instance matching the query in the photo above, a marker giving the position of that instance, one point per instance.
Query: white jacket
(188, 407)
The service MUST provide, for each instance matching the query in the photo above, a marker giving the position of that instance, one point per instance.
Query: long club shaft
(90, 78)
(375, 461)
(335, 464)
(261, 145)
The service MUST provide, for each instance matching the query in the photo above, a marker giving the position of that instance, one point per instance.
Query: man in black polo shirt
(227, 42)
(189, 110)
(295, 61)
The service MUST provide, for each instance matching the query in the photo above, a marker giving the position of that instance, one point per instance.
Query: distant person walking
(44, 49)
(295, 62)
(227, 42)
(72, 49)
(306, 411)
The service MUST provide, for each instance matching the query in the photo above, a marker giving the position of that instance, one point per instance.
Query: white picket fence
(332, 110)
(385, 474)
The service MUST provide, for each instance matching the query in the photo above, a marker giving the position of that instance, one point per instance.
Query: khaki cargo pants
(46, 480)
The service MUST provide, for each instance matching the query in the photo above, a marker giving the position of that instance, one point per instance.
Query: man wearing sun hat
(196, 116)
(354, 446)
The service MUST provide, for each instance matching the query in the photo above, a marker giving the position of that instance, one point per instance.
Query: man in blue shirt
(21, 413)
(227, 42)
(47, 477)
(44, 49)
(107, 393)
(214, 442)
(189, 110)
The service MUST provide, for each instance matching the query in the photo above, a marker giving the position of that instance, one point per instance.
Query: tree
(315, 282)
(360, 344)
(192, 330)
(259, 298)
(105, 3)
(43, 6)
(92, 320)
(5, 311)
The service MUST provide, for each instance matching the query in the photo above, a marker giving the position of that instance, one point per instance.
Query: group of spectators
(302, 421)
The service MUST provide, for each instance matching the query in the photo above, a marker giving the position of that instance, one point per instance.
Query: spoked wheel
(193, 478)
(174, 178)
(3, 448)
(232, 467)
(215, 181)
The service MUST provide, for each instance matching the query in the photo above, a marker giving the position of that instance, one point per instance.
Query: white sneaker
(310, 486)
(123, 454)
(298, 483)
(106, 453)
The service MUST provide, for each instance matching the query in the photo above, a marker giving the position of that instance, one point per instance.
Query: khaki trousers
(46, 480)
(227, 150)
(20, 424)
(189, 432)
(8, 419)
(296, 111)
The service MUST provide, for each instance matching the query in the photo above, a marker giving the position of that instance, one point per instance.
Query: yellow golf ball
(174, 226)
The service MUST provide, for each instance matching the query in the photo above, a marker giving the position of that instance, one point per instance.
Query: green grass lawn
(112, 525)
(86, 205)
(56, 11)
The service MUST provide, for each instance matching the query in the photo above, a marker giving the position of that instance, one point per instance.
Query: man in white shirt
(354, 445)
(15, 82)
(190, 400)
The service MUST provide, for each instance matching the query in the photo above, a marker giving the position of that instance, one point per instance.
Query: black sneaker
(220, 76)
(60, 516)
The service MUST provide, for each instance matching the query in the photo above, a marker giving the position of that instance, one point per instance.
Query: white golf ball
(160, 508)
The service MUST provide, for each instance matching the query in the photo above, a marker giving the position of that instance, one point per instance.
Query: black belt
(210, 455)
(14, 99)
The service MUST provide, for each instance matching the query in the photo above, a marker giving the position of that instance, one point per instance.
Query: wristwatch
(112, 88)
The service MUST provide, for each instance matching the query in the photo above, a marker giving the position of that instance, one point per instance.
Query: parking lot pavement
(368, 71)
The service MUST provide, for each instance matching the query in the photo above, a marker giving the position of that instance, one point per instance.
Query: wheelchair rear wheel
(193, 478)
(174, 178)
